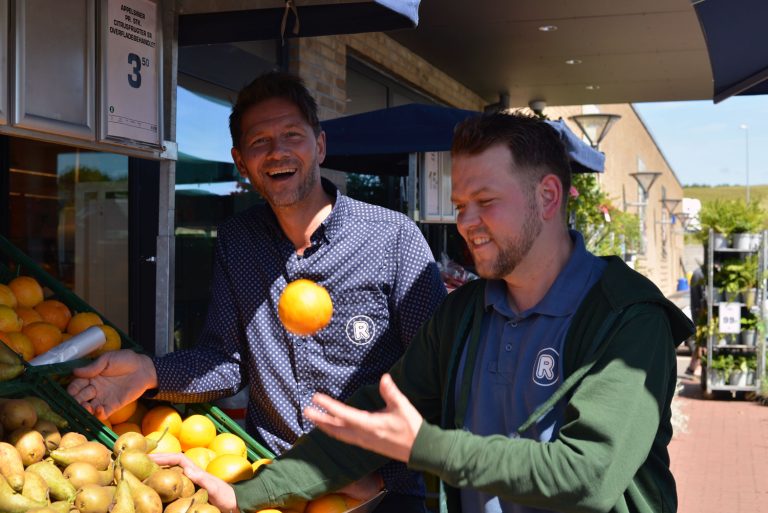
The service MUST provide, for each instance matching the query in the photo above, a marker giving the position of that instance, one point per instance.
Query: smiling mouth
(281, 172)
(479, 241)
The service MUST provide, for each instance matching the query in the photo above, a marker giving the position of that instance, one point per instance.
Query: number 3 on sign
(134, 78)
(730, 317)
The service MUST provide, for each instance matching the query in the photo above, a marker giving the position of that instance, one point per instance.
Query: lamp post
(645, 179)
(745, 127)
(595, 126)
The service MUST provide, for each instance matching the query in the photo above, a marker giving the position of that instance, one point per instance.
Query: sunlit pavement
(720, 460)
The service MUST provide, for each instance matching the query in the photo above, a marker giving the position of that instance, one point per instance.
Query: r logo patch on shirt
(360, 330)
(545, 368)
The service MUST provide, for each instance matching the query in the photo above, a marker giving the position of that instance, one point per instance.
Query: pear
(92, 452)
(81, 473)
(167, 483)
(30, 444)
(94, 498)
(11, 466)
(203, 508)
(62, 507)
(145, 499)
(184, 505)
(45, 412)
(61, 488)
(50, 433)
(107, 477)
(71, 439)
(12, 502)
(138, 463)
(130, 440)
(123, 502)
(17, 413)
(187, 486)
(35, 487)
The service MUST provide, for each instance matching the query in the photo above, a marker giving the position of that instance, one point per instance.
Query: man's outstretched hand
(112, 381)
(389, 432)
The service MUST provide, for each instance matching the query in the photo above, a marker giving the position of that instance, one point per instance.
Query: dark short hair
(535, 146)
(274, 84)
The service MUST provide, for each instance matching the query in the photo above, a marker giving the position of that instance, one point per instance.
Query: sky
(702, 142)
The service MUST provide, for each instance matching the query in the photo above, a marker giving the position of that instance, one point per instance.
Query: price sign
(132, 70)
(729, 315)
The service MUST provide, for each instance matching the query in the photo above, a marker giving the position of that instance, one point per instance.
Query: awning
(379, 142)
(307, 18)
(736, 32)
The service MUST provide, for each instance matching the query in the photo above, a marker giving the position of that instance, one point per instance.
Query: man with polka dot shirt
(374, 262)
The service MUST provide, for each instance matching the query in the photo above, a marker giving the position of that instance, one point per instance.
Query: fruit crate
(46, 380)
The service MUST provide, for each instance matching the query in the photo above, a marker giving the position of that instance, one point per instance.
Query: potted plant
(748, 219)
(733, 276)
(720, 371)
(738, 376)
(749, 294)
(751, 370)
(751, 328)
(717, 215)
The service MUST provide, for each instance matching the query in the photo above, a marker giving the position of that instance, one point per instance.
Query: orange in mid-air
(27, 290)
(304, 307)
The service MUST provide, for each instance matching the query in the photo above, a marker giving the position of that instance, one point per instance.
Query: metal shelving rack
(714, 340)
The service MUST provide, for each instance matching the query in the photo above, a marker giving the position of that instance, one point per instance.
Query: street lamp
(645, 179)
(595, 126)
(745, 127)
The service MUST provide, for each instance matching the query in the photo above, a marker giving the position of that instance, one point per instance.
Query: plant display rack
(725, 366)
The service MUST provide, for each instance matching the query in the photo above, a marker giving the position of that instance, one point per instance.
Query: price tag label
(132, 60)
(729, 316)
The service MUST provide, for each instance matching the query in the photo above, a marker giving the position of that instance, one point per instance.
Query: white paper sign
(431, 186)
(729, 315)
(132, 63)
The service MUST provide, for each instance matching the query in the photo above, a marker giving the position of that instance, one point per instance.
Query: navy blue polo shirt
(383, 282)
(519, 363)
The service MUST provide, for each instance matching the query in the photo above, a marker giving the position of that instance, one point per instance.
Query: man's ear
(320, 148)
(238, 160)
(550, 196)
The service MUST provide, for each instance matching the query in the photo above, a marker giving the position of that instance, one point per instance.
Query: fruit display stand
(48, 381)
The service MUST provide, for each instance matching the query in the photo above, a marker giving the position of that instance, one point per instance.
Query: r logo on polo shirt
(545, 368)
(360, 330)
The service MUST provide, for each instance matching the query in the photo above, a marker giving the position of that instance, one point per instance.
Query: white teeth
(477, 241)
(275, 172)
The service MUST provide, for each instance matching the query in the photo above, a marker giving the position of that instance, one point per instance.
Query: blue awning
(310, 20)
(737, 41)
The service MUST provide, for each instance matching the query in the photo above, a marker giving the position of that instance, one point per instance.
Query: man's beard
(512, 252)
(299, 193)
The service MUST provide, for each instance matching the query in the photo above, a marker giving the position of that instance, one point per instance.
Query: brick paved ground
(721, 462)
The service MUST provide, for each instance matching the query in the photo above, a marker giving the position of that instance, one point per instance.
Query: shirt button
(299, 342)
(508, 347)
(513, 324)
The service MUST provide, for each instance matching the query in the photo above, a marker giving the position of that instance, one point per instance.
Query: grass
(728, 192)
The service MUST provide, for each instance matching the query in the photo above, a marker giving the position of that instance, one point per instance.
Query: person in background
(545, 385)
(698, 315)
(374, 262)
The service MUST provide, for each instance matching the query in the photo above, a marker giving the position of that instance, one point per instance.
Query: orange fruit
(5, 338)
(55, 312)
(330, 503)
(82, 321)
(138, 415)
(123, 414)
(9, 320)
(20, 343)
(160, 417)
(304, 307)
(43, 335)
(230, 468)
(27, 290)
(125, 427)
(7, 296)
(112, 343)
(165, 442)
(200, 456)
(228, 443)
(27, 315)
(196, 431)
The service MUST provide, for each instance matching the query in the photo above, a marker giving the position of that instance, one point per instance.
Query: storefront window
(69, 213)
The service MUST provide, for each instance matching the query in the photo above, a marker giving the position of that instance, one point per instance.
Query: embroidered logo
(545, 369)
(360, 330)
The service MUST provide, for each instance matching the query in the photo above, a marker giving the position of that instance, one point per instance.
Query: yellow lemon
(230, 468)
(227, 443)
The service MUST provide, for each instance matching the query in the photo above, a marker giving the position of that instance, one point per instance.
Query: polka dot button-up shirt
(382, 280)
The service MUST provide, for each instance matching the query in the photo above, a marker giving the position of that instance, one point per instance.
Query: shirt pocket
(359, 324)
